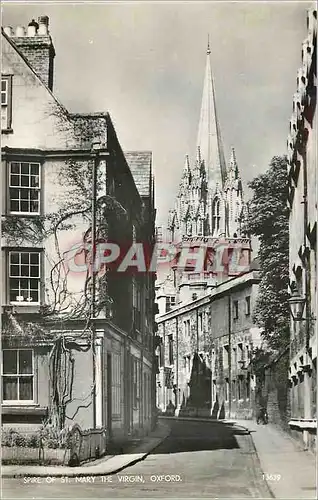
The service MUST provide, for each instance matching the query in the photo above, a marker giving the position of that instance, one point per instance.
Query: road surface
(197, 460)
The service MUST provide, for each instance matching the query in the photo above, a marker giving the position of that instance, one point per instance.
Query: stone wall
(277, 391)
(206, 353)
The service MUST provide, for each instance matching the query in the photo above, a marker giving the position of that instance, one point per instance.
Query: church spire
(209, 136)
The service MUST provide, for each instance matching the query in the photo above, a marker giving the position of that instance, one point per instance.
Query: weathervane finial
(208, 49)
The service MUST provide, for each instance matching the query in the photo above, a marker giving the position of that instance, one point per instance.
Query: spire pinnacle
(209, 135)
(186, 168)
(208, 51)
(233, 163)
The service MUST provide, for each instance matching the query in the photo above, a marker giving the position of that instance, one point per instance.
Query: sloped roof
(140, 165)
(89, 126)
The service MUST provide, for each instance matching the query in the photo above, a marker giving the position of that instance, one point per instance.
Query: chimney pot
(43, 20)
(31, 30)
(43, 25)
(20, 31)
(8, 30)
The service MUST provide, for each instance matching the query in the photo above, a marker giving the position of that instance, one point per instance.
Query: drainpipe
(230, 353)
(164, 389)
(177, 362)
(197, 376)
(95, 156)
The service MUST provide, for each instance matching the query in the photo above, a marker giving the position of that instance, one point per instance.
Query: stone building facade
(205, 332)
(302, 152)
(77, 344)
(204, 352)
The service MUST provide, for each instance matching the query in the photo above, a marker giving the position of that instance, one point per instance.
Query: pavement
(102, 467)
(290, 471)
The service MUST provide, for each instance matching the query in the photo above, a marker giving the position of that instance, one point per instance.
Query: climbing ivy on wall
(268, 220)
(74, 199)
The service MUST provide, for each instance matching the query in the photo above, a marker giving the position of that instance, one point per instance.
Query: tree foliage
(268, 220)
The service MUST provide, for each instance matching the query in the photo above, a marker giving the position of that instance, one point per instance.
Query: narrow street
(198, 459)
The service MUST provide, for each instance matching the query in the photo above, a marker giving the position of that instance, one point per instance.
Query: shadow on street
(199, 436)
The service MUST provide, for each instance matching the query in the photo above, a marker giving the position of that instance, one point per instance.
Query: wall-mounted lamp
(296, 306)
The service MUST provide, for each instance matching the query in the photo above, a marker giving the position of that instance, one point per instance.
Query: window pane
(14, 180)
(24, 206)
(25, 361)
(10, 388)
(14, 258)
(14, 194)
(34, 206)
(35, 181)
(4, 84)
(25, 388)
(25, 180)
(34, 295)
(24, 271)
(14, 270)
(34, 284)
(34, 258)
(24, 193)
(25, 257)
(34, 271)
(35, 169)
(25, 168)
(24, 284)
(15, 168)
(14, 206)
(13, 294)
(9, 361)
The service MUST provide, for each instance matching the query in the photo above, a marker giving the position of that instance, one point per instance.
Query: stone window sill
(303, 423)
(26, 409)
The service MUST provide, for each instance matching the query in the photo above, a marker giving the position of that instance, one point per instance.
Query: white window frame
(170, 302)
(235, 309)
(226, 356)
(20, 188)
(6, 107)
(20, 402)
(5, 92)
(18, 277)
(248, 305)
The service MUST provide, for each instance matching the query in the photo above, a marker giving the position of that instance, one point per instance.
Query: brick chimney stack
(36, 45)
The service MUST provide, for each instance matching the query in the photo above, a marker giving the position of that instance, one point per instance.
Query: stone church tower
(210, 198)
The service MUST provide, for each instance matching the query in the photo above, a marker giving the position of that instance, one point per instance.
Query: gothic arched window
(216, 215)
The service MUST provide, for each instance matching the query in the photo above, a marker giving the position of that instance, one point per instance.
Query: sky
(144, 62)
